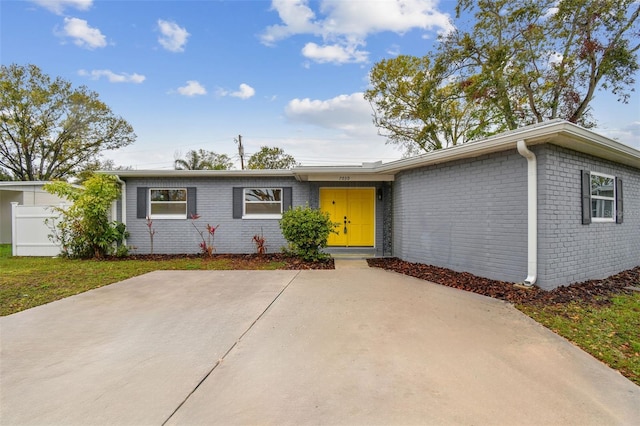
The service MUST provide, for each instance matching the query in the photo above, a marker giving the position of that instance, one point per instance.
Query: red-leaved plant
(260, 242)
(206, 246)
(152, 231)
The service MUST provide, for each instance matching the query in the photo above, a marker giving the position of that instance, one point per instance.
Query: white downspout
(532, 214)
(123, 200)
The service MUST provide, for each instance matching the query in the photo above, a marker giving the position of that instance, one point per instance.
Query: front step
(350, 263)
(351, 252)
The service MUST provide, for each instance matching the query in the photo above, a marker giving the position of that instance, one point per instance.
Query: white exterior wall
(30, 231)
(23, 193)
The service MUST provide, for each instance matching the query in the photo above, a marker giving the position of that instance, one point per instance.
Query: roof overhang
(556, 132)
(198, 173)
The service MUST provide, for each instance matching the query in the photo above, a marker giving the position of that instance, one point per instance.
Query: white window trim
(261, 216)
(597, 197)
(168, 216)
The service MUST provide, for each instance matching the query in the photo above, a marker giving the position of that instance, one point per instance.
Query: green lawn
(26, 282)
(609, 331)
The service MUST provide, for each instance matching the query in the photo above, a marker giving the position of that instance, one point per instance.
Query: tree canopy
(520, 62)
(203, 160)
(271, 158)
(50, 130)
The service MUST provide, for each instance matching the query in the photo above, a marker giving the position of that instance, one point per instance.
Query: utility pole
(240, 151)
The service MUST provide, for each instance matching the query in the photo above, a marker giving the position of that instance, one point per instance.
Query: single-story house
(548, 204)
(29, 193)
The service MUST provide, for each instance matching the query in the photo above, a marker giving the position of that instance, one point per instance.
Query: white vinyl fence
(30, 234)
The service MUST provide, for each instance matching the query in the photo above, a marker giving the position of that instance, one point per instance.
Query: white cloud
(58, 6)
(297, 17)
(193, 88)
(346, 24)
(333, 53)
(245, 92)
(555, 58)
(349, 113)
(551, 11)
(628, 135)
(82, 34)
(113, 77)
(173, 37)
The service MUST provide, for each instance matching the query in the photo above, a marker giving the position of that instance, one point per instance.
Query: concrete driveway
(349, 346)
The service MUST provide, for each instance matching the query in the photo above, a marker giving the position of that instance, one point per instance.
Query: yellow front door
(353, 209)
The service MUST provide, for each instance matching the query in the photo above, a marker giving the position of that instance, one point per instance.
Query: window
(264, 203)
(603, 198)
(168, 203)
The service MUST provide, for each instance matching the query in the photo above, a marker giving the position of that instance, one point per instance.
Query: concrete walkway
(345, 346)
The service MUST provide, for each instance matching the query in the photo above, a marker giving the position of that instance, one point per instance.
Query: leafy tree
(521, 62)
(416, 106)
(271, 158)
(203, 160)
(50, 130)
(85, 230)
(96, 166)
(307, 230)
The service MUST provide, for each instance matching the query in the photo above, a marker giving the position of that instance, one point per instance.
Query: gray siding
(215, 207)
(467, 215)
(569, 251)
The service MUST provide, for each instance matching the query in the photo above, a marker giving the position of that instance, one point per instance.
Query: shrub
(84, 230)
(307, 231)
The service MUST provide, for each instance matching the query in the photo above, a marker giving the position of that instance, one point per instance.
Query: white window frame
(261, 216)
(600, 197)
(168, 216)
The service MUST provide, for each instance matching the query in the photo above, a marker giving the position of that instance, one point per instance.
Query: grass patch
(26, 282)
(5, 250)
(608, 331)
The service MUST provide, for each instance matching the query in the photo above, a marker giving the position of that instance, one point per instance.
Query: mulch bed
(594, 291)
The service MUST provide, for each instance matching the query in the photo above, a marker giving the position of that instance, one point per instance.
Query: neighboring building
(551, 203)
(28, 193)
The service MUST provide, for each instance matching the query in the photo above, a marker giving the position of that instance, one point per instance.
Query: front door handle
(345, 224)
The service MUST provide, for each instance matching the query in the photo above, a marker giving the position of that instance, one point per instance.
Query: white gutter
(123, 200)
(532, 213)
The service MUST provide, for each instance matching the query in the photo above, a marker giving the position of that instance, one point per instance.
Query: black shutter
(238, 199)
(619, 203)
(586, 197)
(287, 198)
(191, 202)
(141, 202)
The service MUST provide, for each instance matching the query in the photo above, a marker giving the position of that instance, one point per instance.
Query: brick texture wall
(569, 251)
(215, 206)
(467, 215)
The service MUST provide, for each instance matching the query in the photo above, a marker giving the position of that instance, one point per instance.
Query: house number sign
(344, 178)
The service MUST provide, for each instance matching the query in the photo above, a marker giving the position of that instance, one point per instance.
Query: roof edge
(558, 132)
(198, 173)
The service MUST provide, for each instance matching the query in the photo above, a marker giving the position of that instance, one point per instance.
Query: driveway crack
(220, 360)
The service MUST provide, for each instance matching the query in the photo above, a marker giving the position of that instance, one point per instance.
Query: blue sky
(196, 74)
